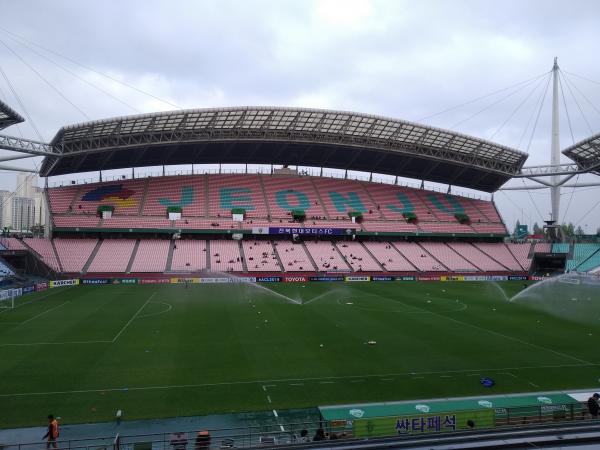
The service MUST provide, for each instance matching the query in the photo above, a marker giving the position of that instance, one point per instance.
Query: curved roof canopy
(8, 116)
(586, 153)
(293, 136)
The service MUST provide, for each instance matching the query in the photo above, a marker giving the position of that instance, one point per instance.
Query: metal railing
(276, 434)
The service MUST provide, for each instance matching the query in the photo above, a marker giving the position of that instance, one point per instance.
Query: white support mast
(555, 146)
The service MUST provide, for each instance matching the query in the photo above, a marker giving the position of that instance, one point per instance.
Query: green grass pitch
(84, 352)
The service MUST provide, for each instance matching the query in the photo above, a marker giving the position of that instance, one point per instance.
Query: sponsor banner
(95, 281)
(326, 278)
(154, 281)
(317, 231)
(28, 289)
(129, 280)
(452, 278)
(362, 278)
(535, 278)
(41, 286)
(215, 280)
(498, 278)
(298, 279)
(382, 278)
(429, 278)
(406, 278)
(243, 280)
(268, 279)
(185, 280)
(422, 423)
(59, 283)
(9, 293)
(517, 277)
(475, 278)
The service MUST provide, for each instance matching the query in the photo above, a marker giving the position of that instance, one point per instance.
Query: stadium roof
(8, 116)
(292, 136)
(586, 153)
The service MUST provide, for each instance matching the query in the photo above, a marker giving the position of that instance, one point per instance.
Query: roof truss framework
(8, 116)
(586, 154)
(348, 140)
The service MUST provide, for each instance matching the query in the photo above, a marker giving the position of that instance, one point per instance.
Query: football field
(83, 352)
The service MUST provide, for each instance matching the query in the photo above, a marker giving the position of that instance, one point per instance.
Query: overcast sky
(404, 59)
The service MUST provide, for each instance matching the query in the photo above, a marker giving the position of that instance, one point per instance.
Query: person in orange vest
(52, 434)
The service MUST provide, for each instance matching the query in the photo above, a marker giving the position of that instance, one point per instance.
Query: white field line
(48, 294)
(288, 380)
(31, 344)
(133, 318)
(169, 308)
(269, 398)
(512, 338)
(42, 313)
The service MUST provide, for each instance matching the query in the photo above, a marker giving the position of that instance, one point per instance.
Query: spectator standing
(593, 406)
(52, 434)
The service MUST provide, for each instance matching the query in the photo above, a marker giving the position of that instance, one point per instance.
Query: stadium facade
(281, 222)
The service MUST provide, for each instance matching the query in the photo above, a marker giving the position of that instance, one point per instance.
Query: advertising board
(59, 283)
(359, 278)
(295, 279)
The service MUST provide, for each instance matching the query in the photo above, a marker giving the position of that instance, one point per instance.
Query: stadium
(363, 308)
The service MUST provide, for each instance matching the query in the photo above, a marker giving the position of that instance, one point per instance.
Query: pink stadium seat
(74, 253)
(184, 191)
(399, 226)
(207, 201)
(390, 200)
(343, 196)
(260, 256)
(476, 257)
(418, 257)
(124, 195)
(326, 257)
(500, 253)
(112, 256)
(151, 256)
(293, 257)
(521, 254)
(12, 243)
(445, 227)
(484, 228)
(358, 257)
(488, 210)
(289, 192)
(189, 256)
(61, 198)
(43, 247)
(389, 257)
(135, 222)
(542, 247)
(76, 221)
(225, 256)
(227, 192)
(206, 224)
(448, 257)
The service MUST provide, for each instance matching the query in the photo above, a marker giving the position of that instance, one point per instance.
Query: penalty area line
(31, 344)
(133, 318)
(44, 312)
(288, 380)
